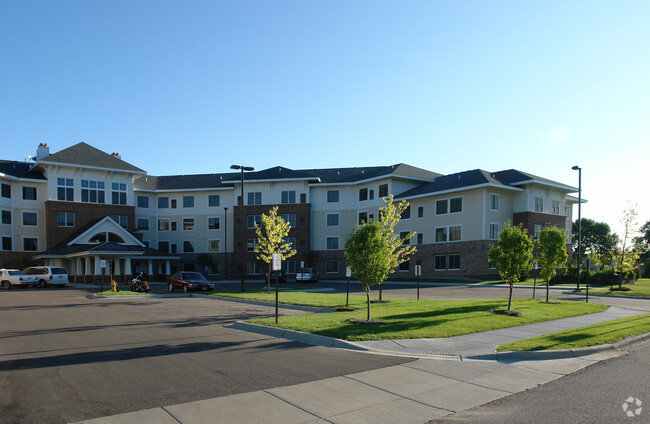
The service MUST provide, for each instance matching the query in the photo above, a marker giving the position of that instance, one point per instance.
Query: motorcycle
(139, 283)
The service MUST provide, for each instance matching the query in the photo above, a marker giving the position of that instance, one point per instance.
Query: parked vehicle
(307, 274)
(281, 276)
(48, 275)
(188, 280)
(139, 283)
(15, 278)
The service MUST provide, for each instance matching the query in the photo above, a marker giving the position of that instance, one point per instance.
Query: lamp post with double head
(577, 168)
(225, 244)
(242, 169)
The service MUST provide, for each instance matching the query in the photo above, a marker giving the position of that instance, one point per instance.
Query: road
(65, 357)
(593, 395)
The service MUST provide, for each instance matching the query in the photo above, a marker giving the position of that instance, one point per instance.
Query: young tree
(398, 249)
(368, 255)
(552, 246)
(512, 254)
(271, 238)
(626, 255)
(597, 237)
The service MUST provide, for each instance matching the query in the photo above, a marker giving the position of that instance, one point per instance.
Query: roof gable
(104, 225)
(85, 155)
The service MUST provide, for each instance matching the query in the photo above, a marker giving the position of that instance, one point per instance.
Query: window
(254, 267)
(143, 201)
(291, 241)
(174, 203)
(454, 262)
(188, 246)
(383, 190)
(303, 197)
(456, 205)
(363, 218)
(555, 204)
(215, 268)
(163, 246)
(494, 202)
(332, 219)
(188, 224)
(441, 207)
(332, 243)
(251, 243)
(118, 194)
(419, 238)
(363, 194)
(404, 235)
(454, 233)
(214, 200)
(93, 191)
(29, 193)
(122, 220)
(188, 201)
(288, 197)
(441, 234)
(404, 266)
(30, 244)
(163, 225)
(65, 219)
(174, 227)
(255, 198)
(174, 248)
(539, 204)
(332, 196)
(420, 211)
(213, 223)
(251, 220)
(371, 194)
(407, 213)
(332, 266)
(494, 232)
(6, 217)
(30, 219)
(290, 218)
(440, 263)
(289, 267)
(214, 245)
(163, 202)
(142, 224)
(6, 243)
(537, 232)
(65, 189)
(6, 191)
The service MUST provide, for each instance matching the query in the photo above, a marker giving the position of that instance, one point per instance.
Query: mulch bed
(345, 309)
(380, 301)
(506, 312)
(363, 321)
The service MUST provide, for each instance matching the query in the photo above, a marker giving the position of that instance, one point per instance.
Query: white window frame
(338, 219)
(218, 245)
(29, 225)
(137, 224)
(328, 238)
(338, 266)
(492, 202)
(168, 225)
(218, 223)
(449, 268)
(193, 245)
(30, 238)
(490, 235)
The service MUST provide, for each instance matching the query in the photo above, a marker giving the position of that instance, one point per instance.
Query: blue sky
(192, 87)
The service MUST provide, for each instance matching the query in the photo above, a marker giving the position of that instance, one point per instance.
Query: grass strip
(592, 335)
(119, 293)
(640, 289)
(409, 318)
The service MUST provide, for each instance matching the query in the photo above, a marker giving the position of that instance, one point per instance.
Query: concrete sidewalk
(462, 375)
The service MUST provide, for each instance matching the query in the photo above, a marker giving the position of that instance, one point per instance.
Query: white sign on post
(102, 263)
(348, 271)
(277, 261)
(418, 270)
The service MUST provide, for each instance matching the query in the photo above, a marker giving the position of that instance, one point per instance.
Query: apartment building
(93, 213)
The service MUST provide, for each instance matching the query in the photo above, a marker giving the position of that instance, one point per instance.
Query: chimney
(116, 155)
(43, 151)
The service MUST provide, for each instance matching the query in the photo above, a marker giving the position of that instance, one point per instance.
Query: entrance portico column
(127, 266)
(167, 269)
(150, 267)
(98, 268)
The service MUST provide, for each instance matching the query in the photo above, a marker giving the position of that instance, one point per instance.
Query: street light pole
(242, 169)
(577, 168)
(225, 244)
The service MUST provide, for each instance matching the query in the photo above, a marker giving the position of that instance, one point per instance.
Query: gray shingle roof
(19, 170)
(350, 175)
(449, 182)
(83, 154)
(183, 182)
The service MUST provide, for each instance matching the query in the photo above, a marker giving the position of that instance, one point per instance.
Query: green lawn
(412, 319)
(641, 288)
(593, 335)
(119, 293)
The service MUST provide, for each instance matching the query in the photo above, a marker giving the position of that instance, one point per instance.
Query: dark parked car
(281, 276)
(307, 274)
(187, 281)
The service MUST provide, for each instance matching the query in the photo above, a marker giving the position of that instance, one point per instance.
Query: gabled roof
(352, 175)
(85, 155)
(515, 178)
(275, 173)
(183, 182)
(451, 182)
(19, 170)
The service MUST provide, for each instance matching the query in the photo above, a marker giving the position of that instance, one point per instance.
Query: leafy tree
(389, 215)
(512, 255)
(271, 238)
(368, 256)
(552, 246)
(597, 237)
(626, 256)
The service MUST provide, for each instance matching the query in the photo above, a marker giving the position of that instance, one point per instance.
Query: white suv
(48, 275)
(14, 277)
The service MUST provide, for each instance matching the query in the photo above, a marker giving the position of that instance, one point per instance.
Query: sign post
(348, 273)
(277, 266)
(418, 272)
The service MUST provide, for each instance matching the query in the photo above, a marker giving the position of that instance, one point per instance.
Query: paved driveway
(65, 357)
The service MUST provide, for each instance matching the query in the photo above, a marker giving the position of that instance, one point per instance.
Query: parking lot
(66, 356)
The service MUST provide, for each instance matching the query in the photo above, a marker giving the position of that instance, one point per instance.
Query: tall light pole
(242, 169)
(577, 168)
(225, 244)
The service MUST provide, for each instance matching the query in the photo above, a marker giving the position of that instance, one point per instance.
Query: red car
(187, 281)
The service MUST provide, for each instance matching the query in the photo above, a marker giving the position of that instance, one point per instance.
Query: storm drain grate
(424, 351)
